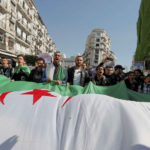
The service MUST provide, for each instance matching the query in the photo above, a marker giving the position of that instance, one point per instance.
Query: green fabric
(61, 73)
(25, 69)
(118, 91)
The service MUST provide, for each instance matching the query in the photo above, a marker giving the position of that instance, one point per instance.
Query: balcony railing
(25, 26)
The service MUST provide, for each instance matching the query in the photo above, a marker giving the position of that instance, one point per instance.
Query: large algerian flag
(47, 117)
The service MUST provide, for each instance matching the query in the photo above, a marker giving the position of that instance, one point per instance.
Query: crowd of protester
(80, 74)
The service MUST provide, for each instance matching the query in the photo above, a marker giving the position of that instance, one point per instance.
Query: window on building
(96, 57)
(12, 25)
(24, 36)
(97, 45)
(18, 31)
(98, 33)
(23, 4)
(97, 40)
(13, 6)
(2, 38)
(96, 51)
(95, 62)
(19, 15)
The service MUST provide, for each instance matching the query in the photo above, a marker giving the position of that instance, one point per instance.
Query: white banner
(44, 120)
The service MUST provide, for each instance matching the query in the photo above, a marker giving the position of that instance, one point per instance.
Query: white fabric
(86, 122)
(50, 71)
(77, 76)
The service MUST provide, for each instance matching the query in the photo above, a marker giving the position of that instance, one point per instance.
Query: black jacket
(6, 72)
(21, 76)
(84, 76)
(103, 81)
(36, 76)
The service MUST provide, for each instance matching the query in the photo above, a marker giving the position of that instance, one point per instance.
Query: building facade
(97, 48)
(22, 30)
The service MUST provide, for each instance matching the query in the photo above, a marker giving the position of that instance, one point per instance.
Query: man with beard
(77, 75)
(55, 71)
(37, 73)
(5, 69)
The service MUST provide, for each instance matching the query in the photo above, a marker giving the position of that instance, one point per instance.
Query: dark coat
(84, 76)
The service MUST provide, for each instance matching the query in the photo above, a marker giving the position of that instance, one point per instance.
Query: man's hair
(57, 52)
(138, 70)
(130, 72)
(40, 59)
(20, 55)
(3, 58)
(100, 65)
(78, 56)
(109, 67)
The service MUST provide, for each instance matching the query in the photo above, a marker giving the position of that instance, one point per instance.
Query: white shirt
(77, 76)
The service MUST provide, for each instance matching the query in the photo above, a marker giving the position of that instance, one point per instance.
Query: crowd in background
(80, 74)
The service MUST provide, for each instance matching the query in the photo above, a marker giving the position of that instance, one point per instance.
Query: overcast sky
(69, 22)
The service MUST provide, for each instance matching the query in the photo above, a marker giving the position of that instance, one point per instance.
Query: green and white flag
(47, 117)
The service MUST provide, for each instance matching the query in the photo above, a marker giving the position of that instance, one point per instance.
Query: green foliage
(143, 32)
(30, 59)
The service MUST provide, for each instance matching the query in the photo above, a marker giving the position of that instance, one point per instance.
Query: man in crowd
(99, 78)
(84, 66)
(117, 76)
(130, 82)
(139, 76)
(5, 69)
(37, 73)
(144, 87)
(55, 71)
(77, 75)
(21, 72)
(108, 73)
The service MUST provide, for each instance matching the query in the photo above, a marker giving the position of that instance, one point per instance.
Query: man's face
(137, 74)
(147, 80)
(131, 76)
(79, 61)
(4, 62)
(57, 58)
(119, 71)
(84, 66)
(20, 60)
(40, 64)
(109, 71)
(100, 71)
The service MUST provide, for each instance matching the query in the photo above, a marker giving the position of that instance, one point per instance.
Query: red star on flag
(37, 94)
(66, 101)
(2, 97)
